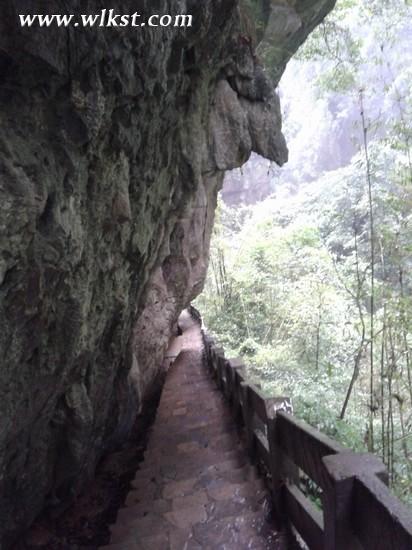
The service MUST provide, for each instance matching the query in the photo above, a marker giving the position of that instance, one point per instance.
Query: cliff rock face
(113, 145)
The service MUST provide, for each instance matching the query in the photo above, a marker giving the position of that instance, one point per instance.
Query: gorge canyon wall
(113, 146)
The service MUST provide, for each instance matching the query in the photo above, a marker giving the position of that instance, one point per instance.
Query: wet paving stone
(196, 488)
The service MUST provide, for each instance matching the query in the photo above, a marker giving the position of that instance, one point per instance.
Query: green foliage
(345, 52)
(290, 282)
(288, 289)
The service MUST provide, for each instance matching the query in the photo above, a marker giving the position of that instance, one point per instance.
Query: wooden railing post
(237, 367)
(215, 355)
(374, 505)
(221, 374)
(220, 358)
(282, 470)
(207, 344)
(337, 495)
(247, 413)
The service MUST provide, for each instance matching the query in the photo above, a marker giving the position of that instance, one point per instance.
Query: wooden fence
(358, 509)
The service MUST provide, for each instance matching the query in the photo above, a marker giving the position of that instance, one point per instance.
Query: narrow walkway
(196, 488)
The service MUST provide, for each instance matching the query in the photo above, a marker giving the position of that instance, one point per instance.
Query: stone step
(173, 539)
(139, 528)
(178, 465)
(248, 530)
(131, 542)
(226, 490)
(240, 531)
(225, 420)
(202, 444)
(159, 497)
(180, 375)
(170, 474)
(132, 545)
(196, 424)
(142, 509)
(187, 416)
(158, 437)
(223, 471)
(201, 441)
(220, 529)
(177, 381)
(224, 494)
(182, 386)
(191, 401)
(164, 509)
(189, 393)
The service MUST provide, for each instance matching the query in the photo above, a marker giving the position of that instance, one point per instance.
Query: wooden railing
(358, 509)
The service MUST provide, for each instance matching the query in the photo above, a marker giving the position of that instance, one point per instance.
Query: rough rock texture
(282, 26)
(113, 144)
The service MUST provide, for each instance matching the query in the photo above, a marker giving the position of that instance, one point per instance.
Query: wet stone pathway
(196, 488)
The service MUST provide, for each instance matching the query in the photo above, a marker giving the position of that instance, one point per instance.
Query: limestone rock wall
(113, 145)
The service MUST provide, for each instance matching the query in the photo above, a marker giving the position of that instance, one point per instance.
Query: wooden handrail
(358, 509)
(371, 497)
(306, 446)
